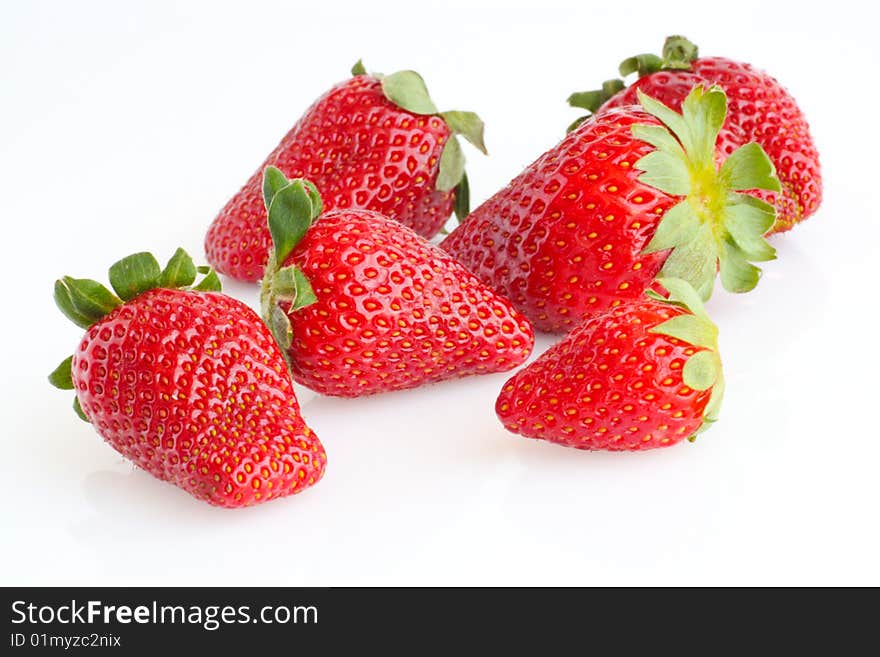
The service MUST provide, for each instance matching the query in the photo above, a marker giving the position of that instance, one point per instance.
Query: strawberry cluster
(615, 237)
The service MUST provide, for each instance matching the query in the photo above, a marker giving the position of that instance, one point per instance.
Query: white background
(125, 127)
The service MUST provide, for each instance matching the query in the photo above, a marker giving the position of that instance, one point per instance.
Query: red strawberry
(362, 304)
(372, 142)
(760, 110)
(646, 374)
(187, 383)
(629, 193)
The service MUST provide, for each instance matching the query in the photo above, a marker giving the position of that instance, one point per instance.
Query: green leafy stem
(292, 207)
(678, 54)
(703, 370)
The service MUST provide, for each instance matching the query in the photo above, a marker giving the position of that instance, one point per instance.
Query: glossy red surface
(361, 151)
(610, 384)
(564, 239)
(394, 311)
(192, 388)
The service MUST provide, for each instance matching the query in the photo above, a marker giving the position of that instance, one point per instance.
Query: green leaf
(681, 293)
(203, 269)
(574, 125)
(358, 68)
(407, 90)
(284, 283)
(696, 262)
(79, 411)
(305, 295)
(679, 50)
(588, 100)
(451, 166)
(273, 182)
(660, 138)
(611, 87)
(644, 64)
(688, 328)
(713, 408)
(668, 173)
(279, 324)
(593, 100)
(83, 300)
(737, 274)
(703, 112)
(701, 370)
(61, 376)
(678, 226)
(462, 198)
(210, 283)
(749, 167)
(65, 304)
(468, 125)
(747, 219)
(179, 272)
(290, 215)
(134, 274)
(668, 117)
(315, 198)
(292, 285)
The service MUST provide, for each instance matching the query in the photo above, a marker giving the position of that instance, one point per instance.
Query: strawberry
(760, 110)
(362, 304)
(628, 194)
(187, 383)
(642, 375)
(372, 142)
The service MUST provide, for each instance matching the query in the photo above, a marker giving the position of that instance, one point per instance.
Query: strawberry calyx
(85, 302)
(678, 54)
(292, 207)
(407, 90)
(593, 100)
(717, 224)
(359, 68)
(703, 370)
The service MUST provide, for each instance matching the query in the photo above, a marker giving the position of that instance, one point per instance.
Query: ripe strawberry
(643, 375)
(372, 142)
(362, 304)
(760, 110)
(629, 193)
(187, 383)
